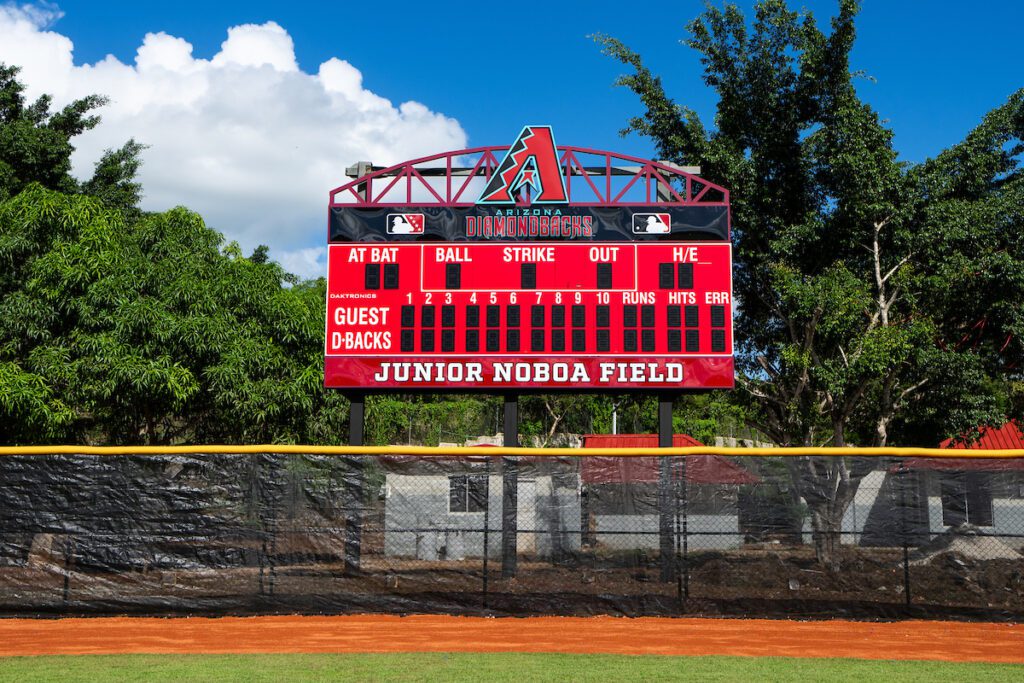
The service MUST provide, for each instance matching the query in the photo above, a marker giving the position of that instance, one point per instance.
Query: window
(966, 497)
(1015, 487)
(467, 493)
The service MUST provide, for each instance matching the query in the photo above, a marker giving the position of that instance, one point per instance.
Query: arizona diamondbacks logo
(531, 162)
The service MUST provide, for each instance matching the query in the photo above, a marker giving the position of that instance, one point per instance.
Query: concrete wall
(1007, 518)
(856, 515)
(1007, 514)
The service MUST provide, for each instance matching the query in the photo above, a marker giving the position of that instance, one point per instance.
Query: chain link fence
(213, 534)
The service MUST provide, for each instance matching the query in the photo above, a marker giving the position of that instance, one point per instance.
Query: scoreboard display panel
(530, 315)
(560, 297)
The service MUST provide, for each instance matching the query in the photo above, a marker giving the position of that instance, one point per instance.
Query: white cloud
(245, 138)
(310, 259)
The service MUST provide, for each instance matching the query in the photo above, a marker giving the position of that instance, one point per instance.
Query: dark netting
(243, 534)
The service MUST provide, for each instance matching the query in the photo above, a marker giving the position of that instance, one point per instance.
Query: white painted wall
(1007, 518)
(421, 502)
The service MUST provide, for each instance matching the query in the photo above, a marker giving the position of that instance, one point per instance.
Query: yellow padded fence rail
(476, 451)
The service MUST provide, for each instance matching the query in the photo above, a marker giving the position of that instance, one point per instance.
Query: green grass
(492, 668)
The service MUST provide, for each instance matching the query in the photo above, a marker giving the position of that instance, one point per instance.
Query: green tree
(114, 180)
(429, 420)
(35, 143)
(153, 332)
(840, 323)
(119, 327)
(971, 260)
(34, 407)
(35, 146)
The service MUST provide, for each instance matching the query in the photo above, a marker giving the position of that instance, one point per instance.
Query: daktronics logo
(531, 163)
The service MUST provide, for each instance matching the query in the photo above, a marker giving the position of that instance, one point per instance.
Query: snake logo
(531, 162)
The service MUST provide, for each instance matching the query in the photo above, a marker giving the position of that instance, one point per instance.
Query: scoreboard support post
(356, 437)
(510, 489)
(356, 420)
(356, 484)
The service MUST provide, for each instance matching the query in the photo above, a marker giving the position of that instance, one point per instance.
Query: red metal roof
(1006, 437)
(700, 469)
(635, 441)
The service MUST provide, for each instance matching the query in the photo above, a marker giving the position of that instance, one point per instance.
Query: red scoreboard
(530, 315)
(550, 296)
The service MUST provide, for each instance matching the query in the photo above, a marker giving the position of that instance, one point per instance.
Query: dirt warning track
(921, 640)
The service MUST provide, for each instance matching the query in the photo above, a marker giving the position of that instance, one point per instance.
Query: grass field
(493, 668)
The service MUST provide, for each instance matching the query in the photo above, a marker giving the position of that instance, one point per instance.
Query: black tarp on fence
(214, 534)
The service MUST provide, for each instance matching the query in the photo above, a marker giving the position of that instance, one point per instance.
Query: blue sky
(938, 65)
(252, 110)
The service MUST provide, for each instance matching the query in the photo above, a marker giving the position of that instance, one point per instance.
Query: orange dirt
(934, 640)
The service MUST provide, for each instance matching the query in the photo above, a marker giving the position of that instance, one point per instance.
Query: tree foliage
(123, 327)
(36, 147)
(153, 331)
(878, 302)
(35, 143)
(114, 180)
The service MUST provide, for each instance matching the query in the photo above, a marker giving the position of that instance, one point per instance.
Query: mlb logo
(652, 223)
(405, 223)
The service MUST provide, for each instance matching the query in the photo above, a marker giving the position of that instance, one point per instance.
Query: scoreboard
(568, 297)
(563, 315)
